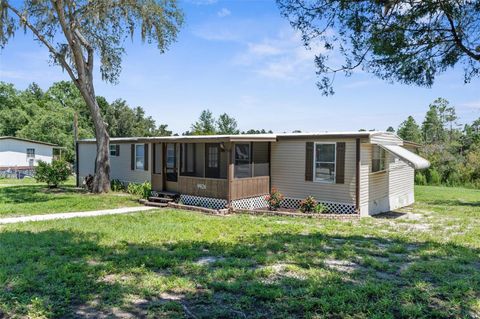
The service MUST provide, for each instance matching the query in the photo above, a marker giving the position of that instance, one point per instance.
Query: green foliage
(407, 42)
(54, 173)
(420, 179)
(205, 124)
(308, 205)
(410, 131)
(141, 190)
(320, 209)
(274, 199)
(117, 186)
(227, 125)
(48, 116)
(433, 177)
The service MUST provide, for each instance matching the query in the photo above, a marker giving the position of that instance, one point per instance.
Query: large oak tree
(77, 32)
(405, 41)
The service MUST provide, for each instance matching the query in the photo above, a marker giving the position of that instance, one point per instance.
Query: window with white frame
(139, 156)
(325, 162)
(114, 150)
(379, 156)
(30, 153)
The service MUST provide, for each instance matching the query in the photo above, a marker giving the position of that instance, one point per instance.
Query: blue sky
(243, 58)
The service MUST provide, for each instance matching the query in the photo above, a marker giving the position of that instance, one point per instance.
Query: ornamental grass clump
(274, 199)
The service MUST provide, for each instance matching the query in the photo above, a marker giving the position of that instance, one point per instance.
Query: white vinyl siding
(288, 172)
(385, 190)
(120, 167)
(15, 153)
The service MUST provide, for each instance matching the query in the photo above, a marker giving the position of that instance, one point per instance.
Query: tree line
(48, 116)
(452, 148)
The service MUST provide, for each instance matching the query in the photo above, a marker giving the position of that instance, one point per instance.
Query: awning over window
(413, 159)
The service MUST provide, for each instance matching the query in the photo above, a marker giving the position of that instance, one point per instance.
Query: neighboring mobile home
(23, 154)
(349, 172)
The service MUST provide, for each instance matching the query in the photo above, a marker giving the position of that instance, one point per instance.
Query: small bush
(420, 179)
(141, 190)
(308, 204)
(53, 174)
(320, 209)
(274, 199)
(117, 186)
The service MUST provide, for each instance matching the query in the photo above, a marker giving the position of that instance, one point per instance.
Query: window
(325, 162)
(378, 159)
(212, 157)
(31, 162)
(139, 156)
(30, 153)
(188, 159)
(114, 150)
(242, 161)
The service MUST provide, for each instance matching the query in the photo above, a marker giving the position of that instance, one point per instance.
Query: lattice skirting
(207, 202)
(250, 203)
(333, 207)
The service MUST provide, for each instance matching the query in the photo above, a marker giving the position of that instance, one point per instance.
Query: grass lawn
(26, 197)
(177, 264)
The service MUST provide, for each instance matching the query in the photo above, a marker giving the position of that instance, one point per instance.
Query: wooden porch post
(230, 150)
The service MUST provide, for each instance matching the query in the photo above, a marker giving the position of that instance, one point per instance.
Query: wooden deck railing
(206, 187)
(249, 187)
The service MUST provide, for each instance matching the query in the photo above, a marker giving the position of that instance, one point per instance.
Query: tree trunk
(101, 179)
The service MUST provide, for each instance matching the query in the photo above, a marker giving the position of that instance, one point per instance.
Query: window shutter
(145, 166)
(117, 149)
(340, 163)
(309, 161)
(132, 157)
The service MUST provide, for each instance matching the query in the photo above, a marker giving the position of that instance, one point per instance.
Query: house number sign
(201, 186)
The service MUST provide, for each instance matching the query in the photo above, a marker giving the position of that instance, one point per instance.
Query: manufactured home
(21, 154)
(362, 173)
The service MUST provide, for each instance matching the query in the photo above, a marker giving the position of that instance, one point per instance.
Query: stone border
(221, 212)
(301, 215)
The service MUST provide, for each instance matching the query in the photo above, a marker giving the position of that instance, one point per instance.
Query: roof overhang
(193, 139)
(412, 159)
(27, 140)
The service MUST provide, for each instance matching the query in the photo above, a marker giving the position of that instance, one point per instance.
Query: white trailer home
(362, 173)
(20, 153)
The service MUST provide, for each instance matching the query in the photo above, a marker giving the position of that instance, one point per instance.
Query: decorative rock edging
(301, 215)
(221, 212)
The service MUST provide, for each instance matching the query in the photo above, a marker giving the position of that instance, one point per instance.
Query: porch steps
(155, 204)
(160, 199)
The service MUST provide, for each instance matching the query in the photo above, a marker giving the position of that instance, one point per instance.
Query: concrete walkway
(34, 218)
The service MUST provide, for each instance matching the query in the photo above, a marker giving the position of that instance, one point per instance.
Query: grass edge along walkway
(33, 218)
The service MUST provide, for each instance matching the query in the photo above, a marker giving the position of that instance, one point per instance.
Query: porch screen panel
(243, 167)
(188, 167)
(260, 159)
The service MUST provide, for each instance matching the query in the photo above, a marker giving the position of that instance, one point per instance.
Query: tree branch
(458, 41)
(42, 39)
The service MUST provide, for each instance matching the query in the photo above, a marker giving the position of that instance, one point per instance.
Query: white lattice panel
(333, 207)
(250, 203)
(207, 202)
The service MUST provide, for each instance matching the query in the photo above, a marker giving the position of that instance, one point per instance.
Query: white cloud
(224, 12)
(280, 57)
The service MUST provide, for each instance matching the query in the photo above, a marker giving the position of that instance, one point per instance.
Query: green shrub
(308, 204)
(117, 186)
(274, 199)
(454, 180)
(420, 179)
(53, 174)
(320, 209)
(141, 190)
(433, 177)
